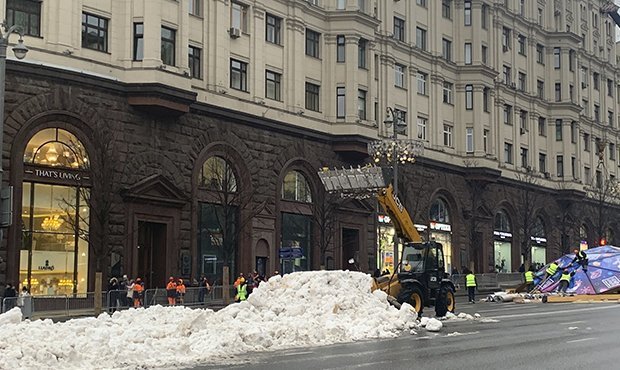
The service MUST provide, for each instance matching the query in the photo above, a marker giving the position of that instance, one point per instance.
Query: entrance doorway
(152, 253)
(350, 247)
(261, 266)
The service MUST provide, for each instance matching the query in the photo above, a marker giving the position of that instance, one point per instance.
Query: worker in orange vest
(171, 291)
(180, 291)
(138, 290)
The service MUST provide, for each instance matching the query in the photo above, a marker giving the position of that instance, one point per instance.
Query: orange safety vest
(138, 288)
(171, 286)
(181, 288)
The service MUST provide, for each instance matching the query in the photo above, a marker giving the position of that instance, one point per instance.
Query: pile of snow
(431, 324)
(299, 309)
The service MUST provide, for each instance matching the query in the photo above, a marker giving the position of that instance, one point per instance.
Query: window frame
(469, 97)
(138, 42)
(242, 71)
(273, 79)
(399, 29)
(273, 29)
(399, 75)
(195, 62)
(168, 41)
(21, 6)
(341, 107)
(313, 97)
(102, 43)
(341, 49)
(313, 40)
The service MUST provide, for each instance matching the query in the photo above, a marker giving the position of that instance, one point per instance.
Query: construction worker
(406, 266)
(242, 292)
(138, 290)
(529, 279)
(581, 258)
(470, 283)
(180, 291)
(565, 281)
(551, 270)
(171, 291)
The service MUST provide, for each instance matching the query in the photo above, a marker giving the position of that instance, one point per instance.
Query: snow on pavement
(299, 309)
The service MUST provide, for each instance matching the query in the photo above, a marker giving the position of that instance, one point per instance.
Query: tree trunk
(98, 292)
(226, 284)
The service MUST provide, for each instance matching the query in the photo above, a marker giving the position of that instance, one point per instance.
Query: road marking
(572, 322)
(554, 312)
(580, 340)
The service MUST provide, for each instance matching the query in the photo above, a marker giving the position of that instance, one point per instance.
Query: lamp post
(395, 151)
(20, 51)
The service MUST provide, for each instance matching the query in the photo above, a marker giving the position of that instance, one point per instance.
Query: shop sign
(538, 239)
(420, 227)
(384, 219)
(502, 234)
(291, 253)
(440, 227)
(57, 174)
(46, 266)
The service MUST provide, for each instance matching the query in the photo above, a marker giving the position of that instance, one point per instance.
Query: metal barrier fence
(84, 304)
(490, 280)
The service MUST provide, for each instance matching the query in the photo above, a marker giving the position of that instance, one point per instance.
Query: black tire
(412, 295)
(445, 301)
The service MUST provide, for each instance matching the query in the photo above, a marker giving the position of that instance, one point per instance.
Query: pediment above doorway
(155, 189)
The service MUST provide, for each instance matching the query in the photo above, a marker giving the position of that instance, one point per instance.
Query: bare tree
(324, 215)
(527, 201)
(567, 220)
(90, 214)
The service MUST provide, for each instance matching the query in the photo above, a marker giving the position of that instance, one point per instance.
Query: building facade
(216, 115)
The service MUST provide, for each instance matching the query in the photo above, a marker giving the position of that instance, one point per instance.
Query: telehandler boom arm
(398, 213)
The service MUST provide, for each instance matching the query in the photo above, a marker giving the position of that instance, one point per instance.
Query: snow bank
(299, 309)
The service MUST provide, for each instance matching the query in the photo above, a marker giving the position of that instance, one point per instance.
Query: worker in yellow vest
(470, 283)
(565, 281)
(551, 270)
(529, 279)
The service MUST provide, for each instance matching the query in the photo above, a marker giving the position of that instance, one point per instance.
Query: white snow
(299, 309)
(433, 325)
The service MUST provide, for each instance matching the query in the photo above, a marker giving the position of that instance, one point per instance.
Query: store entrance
(152, 253)
(350, 247)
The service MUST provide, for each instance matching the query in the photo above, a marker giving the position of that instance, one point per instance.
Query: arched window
(439, 211)
(539, 228)
(57, 148)
(502, 223)
(218, 175)
(296, 188)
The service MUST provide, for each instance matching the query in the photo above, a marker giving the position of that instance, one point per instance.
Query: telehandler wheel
(445, 301)
(413, 296)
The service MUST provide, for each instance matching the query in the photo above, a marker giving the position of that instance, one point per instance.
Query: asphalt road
(525, 336)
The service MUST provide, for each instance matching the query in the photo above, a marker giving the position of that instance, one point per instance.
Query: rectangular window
(447, 92)
(195, 62)
(596, 81)
(610, 118)
(558, 92)
(485, 140)
(571, 60)
(540, 54)
(194, 7)
(340, 102)
(587, 176)
(612, 151)
(94, 32)
(522, 81)
(485, 54)
(238, 75)
(422, 128)
(586, 142)
(573, 132)
(506, 39)
(540, 89)
(469, 97)
(273, 29)
(399, 29)
(507, 114)
(597, 113)
(446, 9)
(401, 115)
(26, 14)
(524, 159)
(469, 139)
(468, 53)
(557, 58)
(341, 4)
(573, 167)
(399, 75)
(422, 78)
(467, 13)
(485, 99)
(361, 104)
(522, 44)
(361, 53)
(421, 3)
(571, 92)
(584, 77)
(272, 85)
(484, 13)
(446, 49)
(340, 48)
(239, 16)
(312, 43)
(542, 162)
(447, 135)
(522, 8)
(507, 75)
(558, 130)
(138, 41)
(599, 179)
(508, 153)
(542, 126)
(168, 45)
(420, 38)
(523, 120)
(559, 164)
(541, 17)
(586, 106)
(610, 88)
(312, 97)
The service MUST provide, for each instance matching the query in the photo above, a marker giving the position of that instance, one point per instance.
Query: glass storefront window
(386, 247)
(49, 240)
(446, 241)
(503, 256)
(214, 223)
(539, 255)
(218, 175)
(56, 148)
(296, 234)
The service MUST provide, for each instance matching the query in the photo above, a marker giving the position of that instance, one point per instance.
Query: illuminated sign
(440, 227)
(420, 227)
(538, 239)
(384, 219)
(502, 234)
